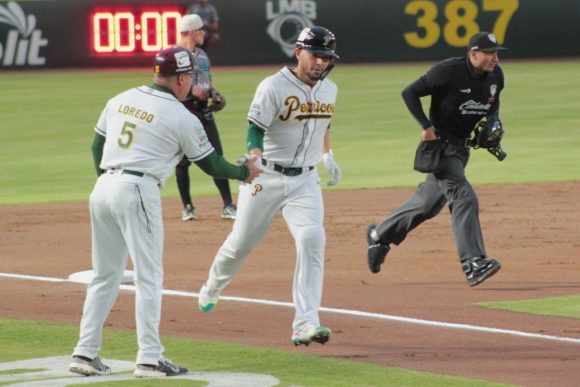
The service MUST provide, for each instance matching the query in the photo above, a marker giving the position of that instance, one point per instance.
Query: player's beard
(315, 74)
(309, 74)
(313, 77)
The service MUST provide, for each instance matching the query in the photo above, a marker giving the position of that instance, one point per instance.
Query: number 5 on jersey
(127, 134)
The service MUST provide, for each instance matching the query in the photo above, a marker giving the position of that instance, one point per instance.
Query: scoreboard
(73, 33)
(133, 31)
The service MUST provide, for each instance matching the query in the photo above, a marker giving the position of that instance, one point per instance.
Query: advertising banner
(93, 33)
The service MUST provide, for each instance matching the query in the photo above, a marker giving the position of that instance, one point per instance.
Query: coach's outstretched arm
(215, 165)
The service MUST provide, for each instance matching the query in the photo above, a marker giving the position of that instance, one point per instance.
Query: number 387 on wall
(460, 21)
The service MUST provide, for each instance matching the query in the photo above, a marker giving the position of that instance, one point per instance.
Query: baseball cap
(484, 42)
(190, 22)
(172, 61)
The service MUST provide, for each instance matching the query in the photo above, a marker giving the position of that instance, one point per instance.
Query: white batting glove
(332, 167)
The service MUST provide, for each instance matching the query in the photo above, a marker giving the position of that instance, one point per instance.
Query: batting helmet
(318, 40)
(172, 61)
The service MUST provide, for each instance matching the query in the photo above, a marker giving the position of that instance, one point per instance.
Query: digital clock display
(133, 31)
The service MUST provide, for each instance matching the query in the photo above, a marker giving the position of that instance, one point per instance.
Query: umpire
(462, 90)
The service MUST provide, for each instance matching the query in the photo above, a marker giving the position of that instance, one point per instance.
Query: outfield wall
(61, 33)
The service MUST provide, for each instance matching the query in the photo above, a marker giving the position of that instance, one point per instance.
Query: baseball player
(289, 132)
(463, 90)
(140, 136)
(198, 102)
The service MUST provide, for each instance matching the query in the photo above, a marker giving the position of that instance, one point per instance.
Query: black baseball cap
(172, 61)
(484, 42)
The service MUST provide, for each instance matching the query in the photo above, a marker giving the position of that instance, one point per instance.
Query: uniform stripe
(305, 127)
(197, 158)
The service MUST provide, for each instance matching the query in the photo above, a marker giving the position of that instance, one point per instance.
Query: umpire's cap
(484, 42)
(173, 61)
(318, 40)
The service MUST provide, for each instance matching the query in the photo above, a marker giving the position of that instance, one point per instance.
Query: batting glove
(331, 167)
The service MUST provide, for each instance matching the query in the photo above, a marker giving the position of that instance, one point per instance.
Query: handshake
(249, 161)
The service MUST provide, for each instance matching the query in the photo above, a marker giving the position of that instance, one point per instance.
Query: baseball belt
(133, 173)
(287, 171)
(126, 172)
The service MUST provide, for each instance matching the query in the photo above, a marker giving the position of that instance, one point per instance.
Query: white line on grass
(357, 313)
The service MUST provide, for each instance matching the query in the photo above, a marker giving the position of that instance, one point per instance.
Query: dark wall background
(366, 30)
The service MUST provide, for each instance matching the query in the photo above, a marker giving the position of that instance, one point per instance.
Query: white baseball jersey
(143, 137)
(294, 116)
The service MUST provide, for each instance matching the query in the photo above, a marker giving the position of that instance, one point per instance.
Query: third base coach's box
(63, 33)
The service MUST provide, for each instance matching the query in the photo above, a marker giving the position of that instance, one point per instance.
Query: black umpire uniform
(460, 96)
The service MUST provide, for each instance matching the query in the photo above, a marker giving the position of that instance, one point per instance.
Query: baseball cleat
(377, 251)
(229, 212)
(479, 269)
(318, 335)
(88, 367)
(189, 213)
(208, 298)
(164, 368)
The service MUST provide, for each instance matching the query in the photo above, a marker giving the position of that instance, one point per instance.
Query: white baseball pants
(126, 220)
(300, 200)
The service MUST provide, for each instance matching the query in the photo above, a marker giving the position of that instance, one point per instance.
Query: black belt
(288, 171)
(128, 172)
(460, 141)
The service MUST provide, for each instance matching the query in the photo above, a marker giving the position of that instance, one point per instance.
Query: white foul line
(357, 313)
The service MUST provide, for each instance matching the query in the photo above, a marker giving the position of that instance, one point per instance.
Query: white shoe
(306, 336)
(229, 212)
(208, 298)
(88, 367)
(164, 368)
(189, 213)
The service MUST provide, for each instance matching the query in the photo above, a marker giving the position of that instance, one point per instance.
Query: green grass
(26, 339)
(48, 119)
(47, 128)
(566, 306)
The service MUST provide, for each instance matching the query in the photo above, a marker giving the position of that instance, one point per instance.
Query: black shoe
(165, 368)
(479, 269)
(377, 251)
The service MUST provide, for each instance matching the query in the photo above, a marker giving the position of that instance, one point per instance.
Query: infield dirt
(532, 229)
